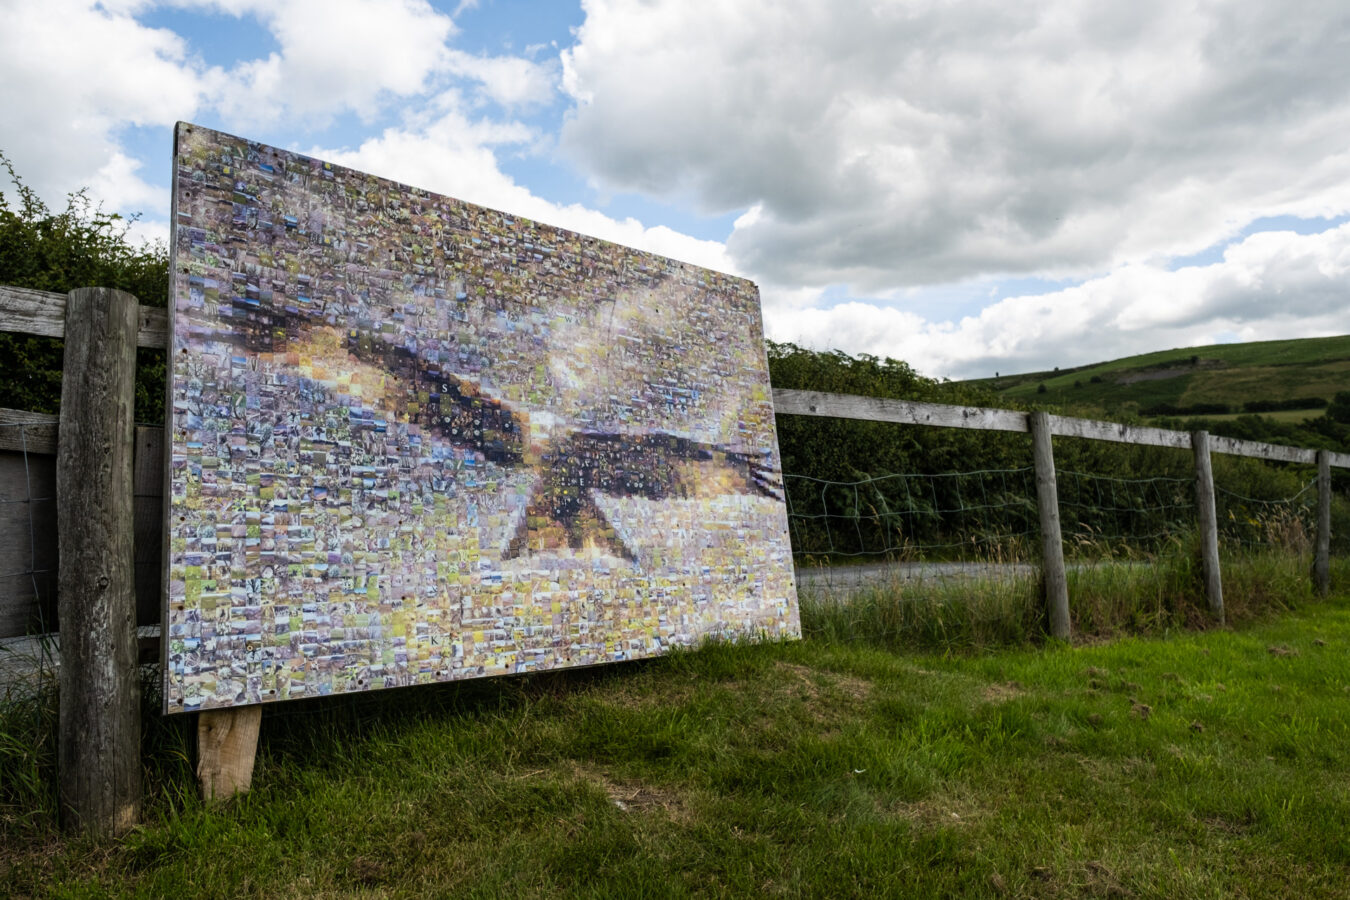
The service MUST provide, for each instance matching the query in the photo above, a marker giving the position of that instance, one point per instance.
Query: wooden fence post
(99, 755)
(1322, 557)
(1052, 541)
(1209, 524)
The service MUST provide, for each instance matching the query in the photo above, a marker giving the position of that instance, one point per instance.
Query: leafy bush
(1259, 406)
(1339, 409)
(80, 246)
(1197, 409)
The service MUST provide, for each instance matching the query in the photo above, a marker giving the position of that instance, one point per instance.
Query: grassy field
(1283, 415)
(1231, 374)
(911, 746)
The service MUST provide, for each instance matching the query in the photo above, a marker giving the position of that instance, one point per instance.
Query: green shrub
(80, 246)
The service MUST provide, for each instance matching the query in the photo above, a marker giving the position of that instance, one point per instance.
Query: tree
(80, 246)
(1339, 408)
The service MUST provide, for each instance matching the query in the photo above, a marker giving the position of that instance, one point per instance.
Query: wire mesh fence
(1109, 516)
(991, 515)
(956, 515)
(27, 556)
(1288, 522)
(27, 532)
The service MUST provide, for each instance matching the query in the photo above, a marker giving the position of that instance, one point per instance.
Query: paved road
(844, 580)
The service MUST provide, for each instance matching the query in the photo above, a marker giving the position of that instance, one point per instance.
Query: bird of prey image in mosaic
(569, 465)
(412, 440)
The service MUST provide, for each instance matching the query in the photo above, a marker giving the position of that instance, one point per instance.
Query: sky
(971, 186)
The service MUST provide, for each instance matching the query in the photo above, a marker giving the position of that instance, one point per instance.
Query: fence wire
(1103, 515)
(27, 573)
(1287, 523)
(27, 562)
(991, 515)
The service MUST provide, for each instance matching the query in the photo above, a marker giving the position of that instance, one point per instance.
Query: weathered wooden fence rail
(1043, 427)
(908, 412)
(105, 498)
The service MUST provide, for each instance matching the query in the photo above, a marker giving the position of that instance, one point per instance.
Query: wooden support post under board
(227, 744)
(99, 743)
(1322, 557)
(1052, 542)
(1209, 524)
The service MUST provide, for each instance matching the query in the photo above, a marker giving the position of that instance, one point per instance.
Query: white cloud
(509, 81)
(74, 73)
(453, 155)
(71, 75)
(1271, 285)
(335, 55)
(925, 142)
(142, 232)
(873, 148)
(118, 185)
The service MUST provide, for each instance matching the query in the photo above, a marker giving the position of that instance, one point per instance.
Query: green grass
(1283, 415)
(1300, 351)
(1223, 373)
(873, 759)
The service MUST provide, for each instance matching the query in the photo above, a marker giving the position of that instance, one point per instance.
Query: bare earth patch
(938, 812)
(1002, 693)
(640, 696)
(825, 697)
(634, 796)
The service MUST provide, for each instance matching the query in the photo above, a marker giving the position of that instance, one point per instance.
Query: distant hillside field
(1223, 379)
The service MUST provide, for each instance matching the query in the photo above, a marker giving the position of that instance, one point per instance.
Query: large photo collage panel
(415, 440)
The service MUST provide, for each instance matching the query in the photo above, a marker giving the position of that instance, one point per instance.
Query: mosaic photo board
(415, 440)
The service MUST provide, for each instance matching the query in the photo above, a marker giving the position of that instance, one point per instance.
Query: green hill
(1290, 380)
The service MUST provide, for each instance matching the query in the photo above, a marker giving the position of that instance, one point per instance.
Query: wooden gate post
(1322, 557)
(99, 755)
(1052, 541)
(1209, 524)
